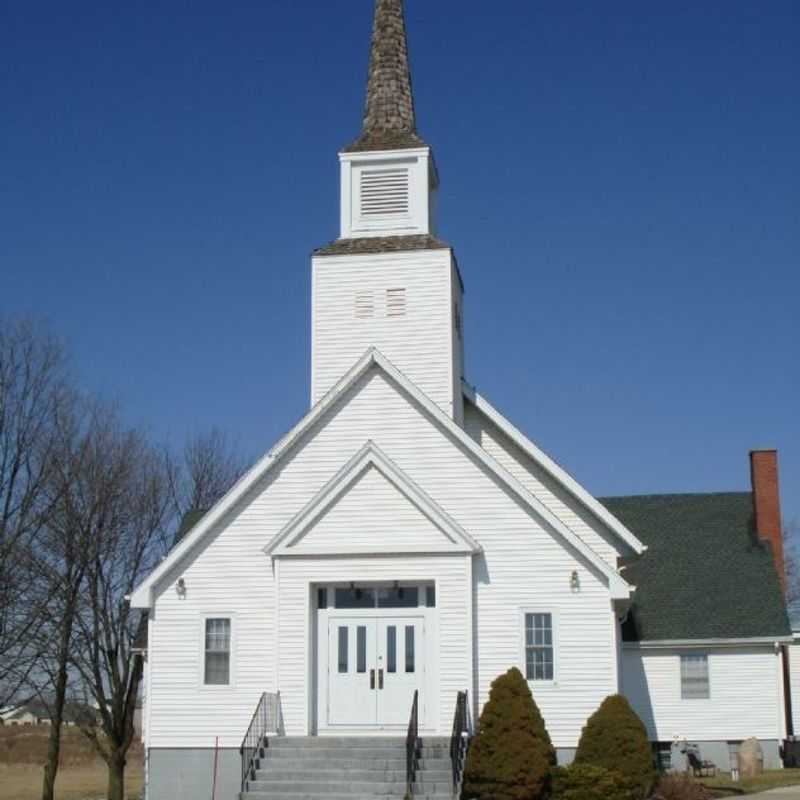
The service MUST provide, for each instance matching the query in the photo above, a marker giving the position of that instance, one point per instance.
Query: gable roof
(372, 456)
(143, 595)
(705, 574)
(554, 470)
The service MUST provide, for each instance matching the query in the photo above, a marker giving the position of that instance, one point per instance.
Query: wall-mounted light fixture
(575, 581)
(180, 588)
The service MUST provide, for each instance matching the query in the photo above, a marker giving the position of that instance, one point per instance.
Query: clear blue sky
(620, 182)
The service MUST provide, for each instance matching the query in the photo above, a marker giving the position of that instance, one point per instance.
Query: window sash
(695, 684)
(217, 661)
(539, 650)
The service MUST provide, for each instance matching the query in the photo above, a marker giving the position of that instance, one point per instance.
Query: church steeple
(389, 119)
(388, 174)
(387, 282)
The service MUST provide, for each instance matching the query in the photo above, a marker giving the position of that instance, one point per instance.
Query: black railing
(459, 740)
(266, 719)
(412, 746)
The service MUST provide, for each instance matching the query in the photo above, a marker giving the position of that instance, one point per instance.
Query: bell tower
(387, 281)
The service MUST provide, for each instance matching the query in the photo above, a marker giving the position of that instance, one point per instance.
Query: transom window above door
(396, 595)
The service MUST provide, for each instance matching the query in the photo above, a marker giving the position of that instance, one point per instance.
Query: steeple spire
(389, 121)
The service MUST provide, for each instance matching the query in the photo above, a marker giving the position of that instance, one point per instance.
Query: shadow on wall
(635, 688)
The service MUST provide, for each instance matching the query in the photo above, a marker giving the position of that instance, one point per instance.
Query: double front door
(374, 667)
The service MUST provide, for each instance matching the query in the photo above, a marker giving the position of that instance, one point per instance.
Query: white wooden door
(352, 695)
(401, 668)
(374, 667)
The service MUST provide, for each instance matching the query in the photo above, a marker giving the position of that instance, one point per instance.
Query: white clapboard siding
(745, 694)
(542, 485)
(357, 522)
(524, 565)
(400, 303)
(793, 654)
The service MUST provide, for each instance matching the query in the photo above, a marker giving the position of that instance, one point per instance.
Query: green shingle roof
(188, 521)
(705, 574)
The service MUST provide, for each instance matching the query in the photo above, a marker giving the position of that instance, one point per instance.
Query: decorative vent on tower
(395, 302)
(384, 192)
(365, 305)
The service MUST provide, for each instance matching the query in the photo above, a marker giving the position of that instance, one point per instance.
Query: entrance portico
(376, 644)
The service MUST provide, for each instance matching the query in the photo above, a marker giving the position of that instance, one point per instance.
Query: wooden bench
(701, 769)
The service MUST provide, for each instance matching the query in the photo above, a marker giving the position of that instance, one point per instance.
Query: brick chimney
(767, 505)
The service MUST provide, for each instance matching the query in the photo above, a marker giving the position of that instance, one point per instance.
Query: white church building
(405, 540)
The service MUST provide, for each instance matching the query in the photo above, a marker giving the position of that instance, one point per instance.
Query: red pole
(214, 784)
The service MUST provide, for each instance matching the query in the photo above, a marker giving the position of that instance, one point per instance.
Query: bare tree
(61, 564)
(791, 539)
(123, 502)
(210, 465)
(33, 392)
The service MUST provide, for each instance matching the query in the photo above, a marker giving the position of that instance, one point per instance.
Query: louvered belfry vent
(385, 192)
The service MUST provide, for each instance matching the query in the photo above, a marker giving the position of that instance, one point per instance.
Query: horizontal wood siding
(524, 565)
(744, 687)
(794, 679)
(358, 521)
(593, 532)
(419, 343)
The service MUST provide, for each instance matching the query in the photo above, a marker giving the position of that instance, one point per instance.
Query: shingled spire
(389, 122)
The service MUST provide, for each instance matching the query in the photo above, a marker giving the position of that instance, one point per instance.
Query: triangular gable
(427, 529)
(554, 470)
(143, 596)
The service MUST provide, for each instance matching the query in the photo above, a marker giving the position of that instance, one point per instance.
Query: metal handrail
(459, 740)
(412, 745)
(266, 719)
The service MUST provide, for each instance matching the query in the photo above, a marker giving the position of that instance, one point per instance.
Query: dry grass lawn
(81, 776)
(769, 779)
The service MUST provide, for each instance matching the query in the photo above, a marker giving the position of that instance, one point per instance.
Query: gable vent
(395, 302)
(384, 192)
(365, 305)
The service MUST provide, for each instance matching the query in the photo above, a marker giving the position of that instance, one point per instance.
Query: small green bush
(511, 755)
(587, 782)
(615, 738)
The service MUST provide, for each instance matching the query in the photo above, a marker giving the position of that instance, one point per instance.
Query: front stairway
(348, 768)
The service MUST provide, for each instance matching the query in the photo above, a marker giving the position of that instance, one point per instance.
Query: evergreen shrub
(511, 755)
(615, 738)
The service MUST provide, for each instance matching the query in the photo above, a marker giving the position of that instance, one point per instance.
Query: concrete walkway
(784, 793)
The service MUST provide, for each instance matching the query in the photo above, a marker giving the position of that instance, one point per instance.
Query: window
(539, 647)
(218, 652)
(398, 597)
(409, 648)
(342, 659)
(694, 677)
(662, 754)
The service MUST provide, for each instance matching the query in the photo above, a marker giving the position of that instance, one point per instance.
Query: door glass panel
(391, 649)
(409, 648)
(343, 648)
(355, 598)
(399, 597)
(361, 648)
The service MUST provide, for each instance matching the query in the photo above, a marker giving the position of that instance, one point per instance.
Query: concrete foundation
(178, 774)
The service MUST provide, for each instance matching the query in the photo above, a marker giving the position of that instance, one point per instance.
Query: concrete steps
(348, 768)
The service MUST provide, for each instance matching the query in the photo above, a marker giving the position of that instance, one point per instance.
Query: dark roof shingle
(381, 244)
(705, 574)
(389, 119)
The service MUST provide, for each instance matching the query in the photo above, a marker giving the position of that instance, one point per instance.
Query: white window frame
(523, 658)
(201, 672)
(681, 656)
